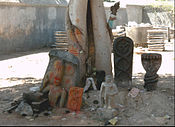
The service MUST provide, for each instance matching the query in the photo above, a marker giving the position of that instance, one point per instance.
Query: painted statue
(62, 73)
(89, 47)
(113, 14)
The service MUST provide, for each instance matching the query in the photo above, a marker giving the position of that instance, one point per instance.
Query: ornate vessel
(151, 63)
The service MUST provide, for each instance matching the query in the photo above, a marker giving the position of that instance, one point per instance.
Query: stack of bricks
(156, 40)
(61, 40)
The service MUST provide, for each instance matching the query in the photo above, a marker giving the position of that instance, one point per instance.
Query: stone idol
(123, 60)
(62, 73)
(107, 92)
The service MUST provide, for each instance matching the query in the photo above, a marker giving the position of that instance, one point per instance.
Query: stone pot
(151, 63)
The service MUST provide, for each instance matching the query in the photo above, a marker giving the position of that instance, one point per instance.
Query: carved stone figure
(123, 59)
(61, 74)
(151, 63)
(107, 91)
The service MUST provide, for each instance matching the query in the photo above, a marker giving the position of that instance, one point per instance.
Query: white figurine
(89, 82)
(107, 91)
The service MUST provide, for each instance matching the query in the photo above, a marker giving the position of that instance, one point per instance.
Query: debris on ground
(106, 114)
(134, 92)
(113, 121)
(24, 109)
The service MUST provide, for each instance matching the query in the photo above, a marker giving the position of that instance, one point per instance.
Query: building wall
(25, 27)
(157, 16)
(122, 17)
(142, 14)
(134, 13)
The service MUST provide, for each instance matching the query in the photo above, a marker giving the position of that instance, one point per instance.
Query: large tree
(88, 34)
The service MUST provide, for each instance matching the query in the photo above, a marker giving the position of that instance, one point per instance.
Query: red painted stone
(75, 98)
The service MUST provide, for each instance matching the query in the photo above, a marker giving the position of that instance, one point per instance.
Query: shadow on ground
(20, 54)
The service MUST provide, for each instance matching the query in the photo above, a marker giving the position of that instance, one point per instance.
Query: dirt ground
(21, 71)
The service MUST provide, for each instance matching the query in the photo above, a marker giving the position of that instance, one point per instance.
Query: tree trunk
(89, 37)
(77, 32)
(103, 44)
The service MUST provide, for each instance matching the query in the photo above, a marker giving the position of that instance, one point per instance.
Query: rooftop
(40, 2)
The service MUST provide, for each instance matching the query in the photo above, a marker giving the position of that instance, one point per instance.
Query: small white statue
(107, 91)
(89, 82)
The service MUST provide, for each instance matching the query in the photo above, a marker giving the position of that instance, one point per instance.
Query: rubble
(9, 110)
(24, 109)
(32, 97)
(34, 89)
(134, 92)
(29, 104)
(41, 105)
(90, 97)
(113, 121)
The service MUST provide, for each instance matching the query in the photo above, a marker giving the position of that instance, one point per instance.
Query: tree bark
(103, 44)
(77, 31)
(89, 37)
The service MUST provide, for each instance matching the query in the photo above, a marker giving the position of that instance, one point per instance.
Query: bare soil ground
(21, 71)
